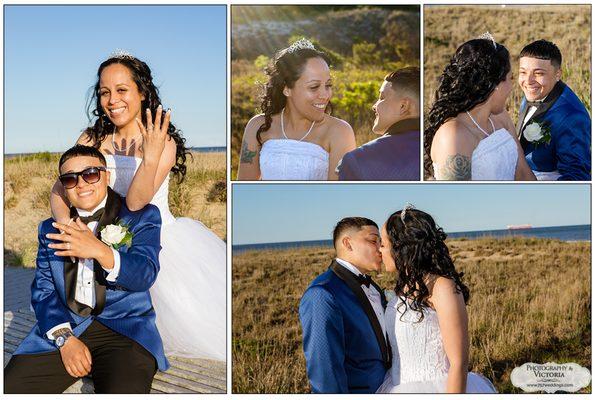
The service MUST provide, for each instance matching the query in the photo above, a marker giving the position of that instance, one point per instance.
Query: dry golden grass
(530, 301)
(27, 184)
(447, 27)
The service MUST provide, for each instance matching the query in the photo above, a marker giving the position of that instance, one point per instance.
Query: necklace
(479, 127)
(127, 147)
(283, 127)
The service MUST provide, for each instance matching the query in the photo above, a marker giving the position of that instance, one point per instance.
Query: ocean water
(212, 149)
(566, 233)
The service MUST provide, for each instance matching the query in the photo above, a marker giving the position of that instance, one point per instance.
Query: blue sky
(281, 213)
(52, 54)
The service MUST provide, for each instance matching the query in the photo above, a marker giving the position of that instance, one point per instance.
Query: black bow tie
(534, 103)
(95, 217)
(364, 280)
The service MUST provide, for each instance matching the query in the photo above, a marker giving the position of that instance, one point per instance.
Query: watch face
(60, 341)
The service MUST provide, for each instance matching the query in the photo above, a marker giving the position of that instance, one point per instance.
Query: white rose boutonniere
(537, 134)
(116, 235)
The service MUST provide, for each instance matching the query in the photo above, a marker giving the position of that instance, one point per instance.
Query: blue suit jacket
(569, 151)
(392, 157)
(342, 352)
(128, 309)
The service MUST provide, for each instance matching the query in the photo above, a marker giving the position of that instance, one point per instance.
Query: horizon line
(448, 233)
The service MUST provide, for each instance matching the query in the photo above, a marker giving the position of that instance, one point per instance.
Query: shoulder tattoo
(455, 168)
(247, 156)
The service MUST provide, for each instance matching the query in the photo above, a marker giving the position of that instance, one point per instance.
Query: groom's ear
(346, 242)
(406, 106)
(558, 74)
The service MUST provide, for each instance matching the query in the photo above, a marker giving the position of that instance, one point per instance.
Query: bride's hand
(155, 134)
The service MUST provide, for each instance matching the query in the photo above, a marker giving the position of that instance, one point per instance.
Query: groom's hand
(76, 357)
(79, 241)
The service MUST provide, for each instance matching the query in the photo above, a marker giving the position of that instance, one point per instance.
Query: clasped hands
(79, 241)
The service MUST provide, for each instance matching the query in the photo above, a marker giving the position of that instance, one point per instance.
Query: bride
(295, 138)
(470, 136)
(427, 320)
(189, 293)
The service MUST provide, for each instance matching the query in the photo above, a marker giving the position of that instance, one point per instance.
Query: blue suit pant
(119, 365)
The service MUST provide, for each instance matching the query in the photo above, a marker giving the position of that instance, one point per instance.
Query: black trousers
(120, 365)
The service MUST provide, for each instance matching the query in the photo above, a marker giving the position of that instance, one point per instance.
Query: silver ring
(68, 244)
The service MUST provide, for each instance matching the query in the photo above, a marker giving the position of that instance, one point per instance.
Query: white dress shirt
(85, 278)
(371, 293)
(530, 113)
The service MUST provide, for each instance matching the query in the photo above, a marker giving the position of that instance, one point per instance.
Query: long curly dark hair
(102, 126)
(472, 74)
(418, 248)
(284, 70)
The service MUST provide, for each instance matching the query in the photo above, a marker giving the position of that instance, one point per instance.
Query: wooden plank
(186, 375)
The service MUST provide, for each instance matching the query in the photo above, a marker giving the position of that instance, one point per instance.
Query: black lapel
(112, 210)
(70, 271)
(351, 281)
(543, 108)
(384, 304)
(519, 124)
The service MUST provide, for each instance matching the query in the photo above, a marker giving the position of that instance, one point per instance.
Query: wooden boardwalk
(185, 375)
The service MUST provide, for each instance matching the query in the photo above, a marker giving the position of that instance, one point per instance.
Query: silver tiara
(301, 44)
(408, 206)
(488, 36)
(120, 53)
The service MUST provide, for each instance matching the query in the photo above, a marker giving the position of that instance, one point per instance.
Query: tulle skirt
(189, 293)
(476, 383)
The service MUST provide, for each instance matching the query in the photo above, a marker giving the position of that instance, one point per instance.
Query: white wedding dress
(289, 159)
(420, 364)
(189, 294)
(494, 159)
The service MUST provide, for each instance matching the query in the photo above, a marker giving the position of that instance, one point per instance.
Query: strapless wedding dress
(189, 293)
(289, 159)
(494, 159)
(420, 364)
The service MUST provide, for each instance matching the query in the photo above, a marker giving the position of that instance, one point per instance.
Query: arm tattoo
(455, 168)
(247, 156)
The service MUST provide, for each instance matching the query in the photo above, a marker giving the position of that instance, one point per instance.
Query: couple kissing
(356, 340)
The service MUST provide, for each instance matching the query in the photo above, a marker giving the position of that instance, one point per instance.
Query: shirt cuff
(50, 333)
(112, 275)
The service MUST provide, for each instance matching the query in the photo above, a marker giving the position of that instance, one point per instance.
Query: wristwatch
(61, 336)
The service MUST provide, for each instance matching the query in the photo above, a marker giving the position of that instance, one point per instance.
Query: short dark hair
(80, 150)
(350, 223)
(405, 78)
(543, 50)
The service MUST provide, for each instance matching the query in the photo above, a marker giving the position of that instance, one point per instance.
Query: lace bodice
(494, 159)
(288, 159)
(418, 353)
(122, 170)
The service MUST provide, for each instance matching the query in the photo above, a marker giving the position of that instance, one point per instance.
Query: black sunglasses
(90, 175)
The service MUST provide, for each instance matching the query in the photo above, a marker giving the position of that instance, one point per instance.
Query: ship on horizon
(516, 227)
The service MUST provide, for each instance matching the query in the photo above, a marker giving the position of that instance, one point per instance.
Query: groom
(92, 302)
(549, 106)
(394, 156)
(342, 315)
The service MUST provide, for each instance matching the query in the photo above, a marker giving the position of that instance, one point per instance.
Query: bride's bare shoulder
(452, 137)
(337, 127)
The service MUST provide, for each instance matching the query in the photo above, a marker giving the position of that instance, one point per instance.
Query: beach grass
(530, 302)
(514, 26)
(29, 179)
